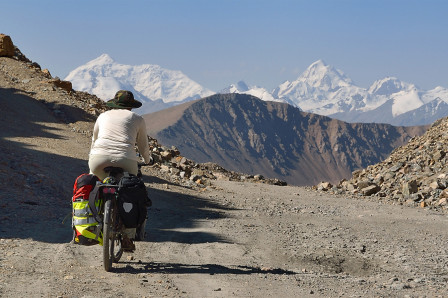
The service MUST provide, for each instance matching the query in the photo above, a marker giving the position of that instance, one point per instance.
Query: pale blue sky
(217, 43)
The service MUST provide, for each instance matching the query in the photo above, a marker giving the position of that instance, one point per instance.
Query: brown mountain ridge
(243, 133)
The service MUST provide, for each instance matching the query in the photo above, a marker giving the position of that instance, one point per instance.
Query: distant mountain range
(320, 89)
(243, 133)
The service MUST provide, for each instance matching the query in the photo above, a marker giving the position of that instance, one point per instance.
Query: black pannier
(133, 197)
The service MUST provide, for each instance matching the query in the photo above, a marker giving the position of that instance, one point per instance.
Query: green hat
(123, 100)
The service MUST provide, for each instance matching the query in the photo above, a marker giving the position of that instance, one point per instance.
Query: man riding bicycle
(113, 143)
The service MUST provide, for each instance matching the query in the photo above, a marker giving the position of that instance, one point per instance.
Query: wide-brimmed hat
(123, 99)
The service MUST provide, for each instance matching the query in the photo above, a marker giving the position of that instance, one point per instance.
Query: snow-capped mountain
(324, 90)
(320, 89)
(155, 86)
(399, 103)
(242, 88)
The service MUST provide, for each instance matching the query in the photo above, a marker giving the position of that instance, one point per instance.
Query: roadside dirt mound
(217, 239)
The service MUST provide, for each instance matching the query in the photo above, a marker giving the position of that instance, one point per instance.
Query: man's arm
(94, 135)
(142, 142)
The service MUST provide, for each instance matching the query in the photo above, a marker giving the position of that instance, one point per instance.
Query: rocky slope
(245, 134)
(415, 174)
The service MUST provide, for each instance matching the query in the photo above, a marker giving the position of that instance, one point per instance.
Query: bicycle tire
(108, 236)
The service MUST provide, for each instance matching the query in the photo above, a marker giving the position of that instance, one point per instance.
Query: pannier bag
(132, 200)
(85, 226)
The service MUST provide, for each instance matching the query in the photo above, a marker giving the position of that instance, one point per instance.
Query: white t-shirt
(116, 132)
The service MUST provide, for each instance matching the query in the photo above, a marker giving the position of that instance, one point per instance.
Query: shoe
(127, 244)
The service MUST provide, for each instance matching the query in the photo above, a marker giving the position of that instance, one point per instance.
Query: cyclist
(115, 134)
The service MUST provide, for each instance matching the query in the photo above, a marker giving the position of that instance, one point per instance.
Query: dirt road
(246, 240)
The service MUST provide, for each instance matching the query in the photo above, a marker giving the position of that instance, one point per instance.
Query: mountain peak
(321, 75)
(239, 87)
(318, 68)
(387, 86)
(102, 59)
(318, 63)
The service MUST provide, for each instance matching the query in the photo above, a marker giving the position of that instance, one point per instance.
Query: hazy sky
(219, 42)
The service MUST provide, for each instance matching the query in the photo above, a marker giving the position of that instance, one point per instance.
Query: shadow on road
(36, 185)
(210, 269)
(174, 216)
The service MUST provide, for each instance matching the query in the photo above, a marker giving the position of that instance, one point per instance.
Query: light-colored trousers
(97, 163)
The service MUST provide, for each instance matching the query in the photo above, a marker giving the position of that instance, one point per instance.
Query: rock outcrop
(6, 46)
(66, 85)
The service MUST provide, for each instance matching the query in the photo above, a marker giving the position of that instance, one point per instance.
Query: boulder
(438, 155)
(442, 202)
(435, 185)
(444, 194)
(325, 186)
(409, 188)
(364, 184)
(66, 85)
(166, 155)
(258, 177)
(47, 73)
(6, 46)
(370, 190)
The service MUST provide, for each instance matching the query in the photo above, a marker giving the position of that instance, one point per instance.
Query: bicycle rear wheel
(108, 236)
